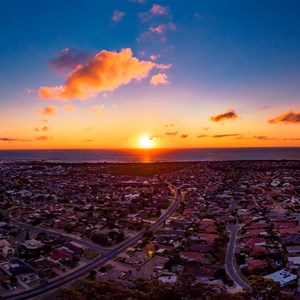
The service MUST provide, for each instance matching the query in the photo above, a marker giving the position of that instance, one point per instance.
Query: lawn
(90, 254)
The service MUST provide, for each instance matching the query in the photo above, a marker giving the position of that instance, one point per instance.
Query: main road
(97, 262)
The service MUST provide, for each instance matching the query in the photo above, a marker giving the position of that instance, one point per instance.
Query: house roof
(282, 276)
(57, 254)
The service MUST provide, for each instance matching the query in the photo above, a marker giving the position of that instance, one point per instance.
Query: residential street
(229, 265)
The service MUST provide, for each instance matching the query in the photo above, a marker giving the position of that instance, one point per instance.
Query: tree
(155, 289)
(27, 236)
(264, 288)
(184, 284)
(99, 238)
(221, 274)
(69, 293)
(92, 274)
(13, 281)
(148, 234)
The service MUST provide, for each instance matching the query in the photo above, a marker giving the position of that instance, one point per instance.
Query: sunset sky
(135, 73)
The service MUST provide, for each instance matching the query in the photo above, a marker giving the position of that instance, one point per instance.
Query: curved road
(97, 262)
(229, 265)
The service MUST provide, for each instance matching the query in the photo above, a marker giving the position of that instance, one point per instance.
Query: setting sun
(146, 142)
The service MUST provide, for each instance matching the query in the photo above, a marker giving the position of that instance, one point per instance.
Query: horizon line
(149, 149)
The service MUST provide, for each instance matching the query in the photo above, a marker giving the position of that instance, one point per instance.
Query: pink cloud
(49, 110)
(159, 10)
(156, 10)
(118, 15)
(154, 57)
(163, 66)
(106, 71)
(159, 78)
(160, 29)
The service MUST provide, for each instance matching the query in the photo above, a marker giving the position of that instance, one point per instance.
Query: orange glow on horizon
(146, 142)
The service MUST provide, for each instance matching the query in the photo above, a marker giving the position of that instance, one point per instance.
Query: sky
(141, 73)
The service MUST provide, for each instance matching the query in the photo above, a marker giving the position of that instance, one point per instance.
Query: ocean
(152, 155)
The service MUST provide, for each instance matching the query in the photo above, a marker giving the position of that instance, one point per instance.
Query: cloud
(28, 90)
(154, 57)
(169, 125)
(265, 138)
(45, 128)
(202, 135)
(156, 10)
(261, 137)
(42, 138)
(68, 107)
(118, 15)
(184, 136)
(289, 117)
(266, 107)
(106, 71)
(158, 30)
(163, 66)
(6, 139)
(170, 134)
(43, 120)
(225, 135)
(49, 110)
(230, 114)
(68, 59)
(159, 78)
(205, 128)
